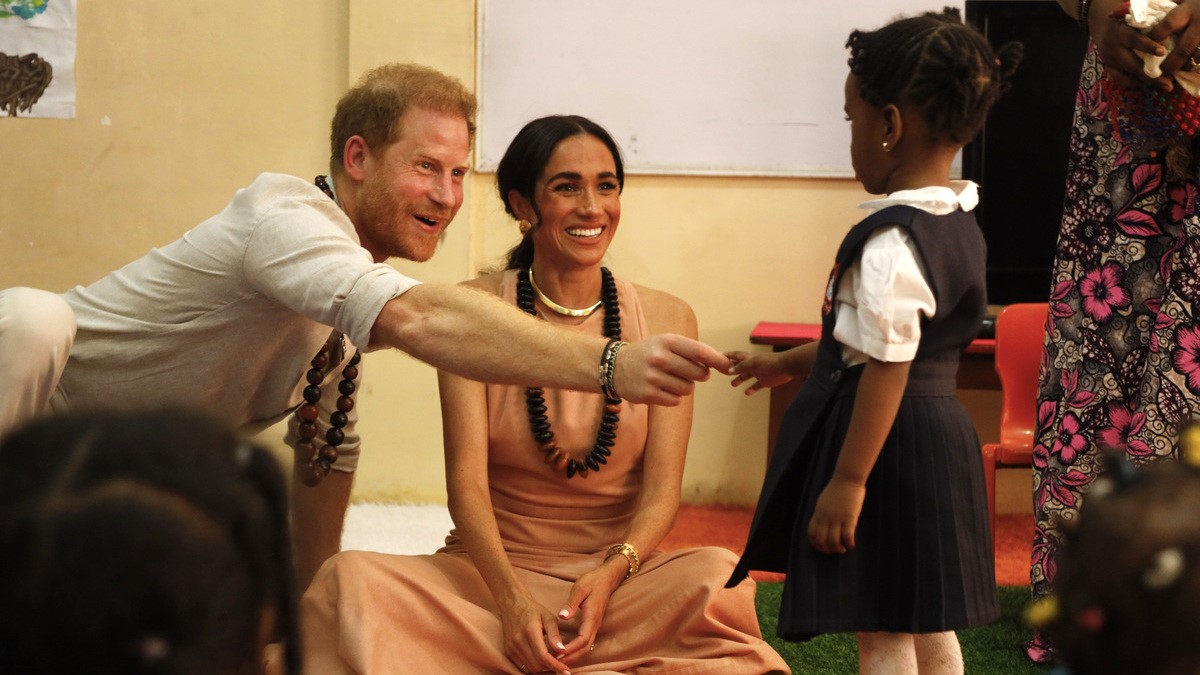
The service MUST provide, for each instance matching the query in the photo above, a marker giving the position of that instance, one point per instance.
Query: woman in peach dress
(560, 499)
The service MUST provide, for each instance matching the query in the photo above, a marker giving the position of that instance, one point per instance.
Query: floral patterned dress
(1121, 366)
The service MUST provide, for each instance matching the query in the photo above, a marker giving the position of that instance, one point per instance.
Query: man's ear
(355, 154)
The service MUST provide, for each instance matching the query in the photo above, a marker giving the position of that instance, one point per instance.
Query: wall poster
(37, 58)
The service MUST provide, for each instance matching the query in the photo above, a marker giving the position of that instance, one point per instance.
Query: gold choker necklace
(559, 309)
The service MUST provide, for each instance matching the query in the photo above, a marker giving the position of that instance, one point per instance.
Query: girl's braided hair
(936, 64)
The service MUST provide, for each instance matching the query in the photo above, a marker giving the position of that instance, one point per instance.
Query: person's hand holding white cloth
(1146, 14)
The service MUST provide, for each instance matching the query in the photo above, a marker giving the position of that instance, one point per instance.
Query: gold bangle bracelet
(631, 555)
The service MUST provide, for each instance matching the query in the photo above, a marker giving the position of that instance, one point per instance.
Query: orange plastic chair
(1020, 329)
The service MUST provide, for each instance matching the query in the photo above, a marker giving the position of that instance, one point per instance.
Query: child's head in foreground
(152, 542)
(918, 87)
(1128, 582)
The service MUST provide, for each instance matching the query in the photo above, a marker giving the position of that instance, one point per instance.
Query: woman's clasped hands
(534, 636)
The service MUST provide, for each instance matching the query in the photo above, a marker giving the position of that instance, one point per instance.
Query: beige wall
(179, 104)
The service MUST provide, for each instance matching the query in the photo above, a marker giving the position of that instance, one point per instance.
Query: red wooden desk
(976, 369)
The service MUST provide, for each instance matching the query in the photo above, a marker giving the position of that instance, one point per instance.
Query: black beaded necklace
(535, 402)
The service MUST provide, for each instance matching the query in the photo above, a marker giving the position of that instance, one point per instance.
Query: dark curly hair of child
(1128, 583)
(144, 542)
(937, 65)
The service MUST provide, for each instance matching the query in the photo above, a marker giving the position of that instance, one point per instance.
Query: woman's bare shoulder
(666, 313)
(489, 282)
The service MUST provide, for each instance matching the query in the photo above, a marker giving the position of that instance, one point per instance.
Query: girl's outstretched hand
(766, 369)
(835, 518)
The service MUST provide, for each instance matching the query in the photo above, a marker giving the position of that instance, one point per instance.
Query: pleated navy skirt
(923, 560)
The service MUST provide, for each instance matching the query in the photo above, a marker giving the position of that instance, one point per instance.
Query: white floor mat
(396, 528)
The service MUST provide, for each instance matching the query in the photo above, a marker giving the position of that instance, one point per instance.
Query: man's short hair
(373, 107)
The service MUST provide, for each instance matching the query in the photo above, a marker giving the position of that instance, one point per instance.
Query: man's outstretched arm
(474, 334)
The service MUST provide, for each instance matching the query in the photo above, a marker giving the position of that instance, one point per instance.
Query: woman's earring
(524, 226)
(886, 147)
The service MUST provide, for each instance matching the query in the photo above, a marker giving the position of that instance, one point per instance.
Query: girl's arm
(771, 369)
(658, 502)
(530, 630)
(876, 402)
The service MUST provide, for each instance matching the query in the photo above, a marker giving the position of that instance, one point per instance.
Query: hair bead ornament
(153, 650)
(1042, 612)
(1189, 444)
(1090, 618)
(1119, 473)
(1101, 487)
(1165, 569)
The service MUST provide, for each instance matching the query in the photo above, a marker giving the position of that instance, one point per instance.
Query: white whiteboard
(722, 87)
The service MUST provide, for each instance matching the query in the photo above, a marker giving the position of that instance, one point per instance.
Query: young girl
(874, 502)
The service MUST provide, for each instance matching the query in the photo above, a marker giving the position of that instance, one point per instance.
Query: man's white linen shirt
(226, 318)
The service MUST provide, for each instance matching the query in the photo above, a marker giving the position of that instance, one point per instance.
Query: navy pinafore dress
(923, 560)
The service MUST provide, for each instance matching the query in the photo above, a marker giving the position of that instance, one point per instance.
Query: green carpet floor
(992, 649)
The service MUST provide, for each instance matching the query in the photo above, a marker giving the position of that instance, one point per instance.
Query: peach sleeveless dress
(377, 613)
